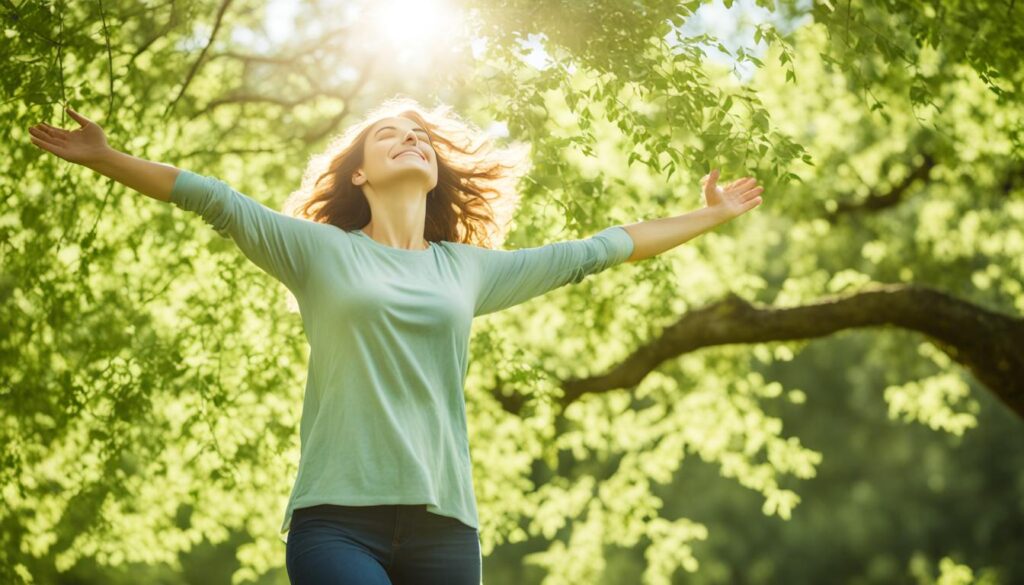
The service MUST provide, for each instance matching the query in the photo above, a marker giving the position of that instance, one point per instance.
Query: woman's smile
(413, 154)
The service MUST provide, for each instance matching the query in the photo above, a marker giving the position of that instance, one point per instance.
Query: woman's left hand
(734, 199)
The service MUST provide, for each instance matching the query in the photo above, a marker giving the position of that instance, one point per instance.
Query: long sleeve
(510, 277)
(280, 245)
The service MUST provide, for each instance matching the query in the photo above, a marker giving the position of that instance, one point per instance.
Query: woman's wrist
(103, 160)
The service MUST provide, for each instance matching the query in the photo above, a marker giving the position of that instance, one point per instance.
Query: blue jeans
(394, 544)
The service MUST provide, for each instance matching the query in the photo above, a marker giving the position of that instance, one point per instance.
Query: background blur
(151, 379)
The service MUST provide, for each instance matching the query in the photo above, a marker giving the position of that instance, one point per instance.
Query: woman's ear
(358, 178)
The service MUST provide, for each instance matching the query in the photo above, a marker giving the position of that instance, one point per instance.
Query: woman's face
(398, 152)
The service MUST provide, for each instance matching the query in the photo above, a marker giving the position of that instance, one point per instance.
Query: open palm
(81, 146)
(734, 199)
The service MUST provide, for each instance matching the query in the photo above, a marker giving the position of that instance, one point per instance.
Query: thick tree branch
(986, 343)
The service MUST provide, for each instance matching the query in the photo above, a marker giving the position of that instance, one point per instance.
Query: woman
(379, 248)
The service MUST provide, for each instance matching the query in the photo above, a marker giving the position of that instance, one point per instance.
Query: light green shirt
(383, 416)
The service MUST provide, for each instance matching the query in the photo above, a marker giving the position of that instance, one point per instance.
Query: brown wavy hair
(477, 182)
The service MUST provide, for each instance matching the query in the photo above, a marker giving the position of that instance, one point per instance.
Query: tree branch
(876, 201)
(199, 61)
(986, 343)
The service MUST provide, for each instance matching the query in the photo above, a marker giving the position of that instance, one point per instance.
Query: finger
(77, 117)
(53, 129)
(752, 194)
(45, 130)
(46, 135)
(44, 145)
(748, 204)
(712, 178)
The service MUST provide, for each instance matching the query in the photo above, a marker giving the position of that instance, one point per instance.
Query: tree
(152, 377)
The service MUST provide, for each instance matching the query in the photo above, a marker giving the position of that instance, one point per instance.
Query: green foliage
(151, 380)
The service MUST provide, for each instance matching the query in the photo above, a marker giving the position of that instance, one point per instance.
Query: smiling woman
(407, 176)
(384, 492)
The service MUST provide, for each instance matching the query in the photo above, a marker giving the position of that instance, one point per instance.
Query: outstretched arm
(509, 277)
(655, 236)
(87, 146)
(281, 245)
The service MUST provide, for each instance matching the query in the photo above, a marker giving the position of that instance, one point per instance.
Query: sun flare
(412, 27)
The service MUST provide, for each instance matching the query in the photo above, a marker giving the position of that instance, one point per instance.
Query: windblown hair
(476, 193)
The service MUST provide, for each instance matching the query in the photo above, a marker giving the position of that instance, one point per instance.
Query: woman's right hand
(84, 146)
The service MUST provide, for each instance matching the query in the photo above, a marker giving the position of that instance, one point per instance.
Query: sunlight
(412, 27)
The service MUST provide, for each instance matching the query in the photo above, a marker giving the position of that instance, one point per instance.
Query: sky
(733, 26)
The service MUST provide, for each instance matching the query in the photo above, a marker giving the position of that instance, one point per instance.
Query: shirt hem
(375, 500)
